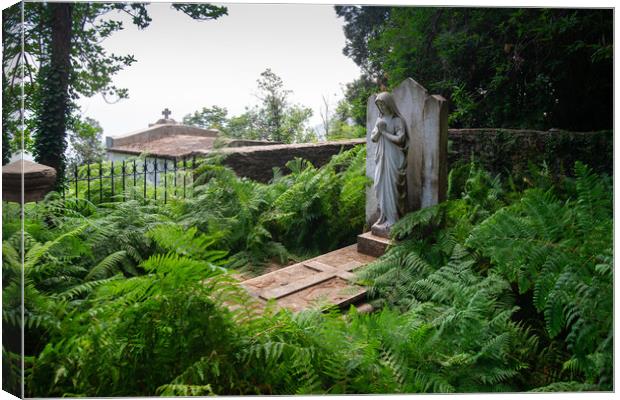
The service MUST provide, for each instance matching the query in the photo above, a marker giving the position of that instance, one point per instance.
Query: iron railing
(121, 180)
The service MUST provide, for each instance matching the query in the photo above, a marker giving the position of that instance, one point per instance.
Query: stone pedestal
(372, 245)
(38, 181)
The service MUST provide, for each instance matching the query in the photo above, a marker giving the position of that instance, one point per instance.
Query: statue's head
(385, 103)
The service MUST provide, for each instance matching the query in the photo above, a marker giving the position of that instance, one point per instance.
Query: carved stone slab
(325, 280)
(427, 123)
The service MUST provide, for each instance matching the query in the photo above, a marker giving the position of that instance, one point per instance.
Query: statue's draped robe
(390, 172)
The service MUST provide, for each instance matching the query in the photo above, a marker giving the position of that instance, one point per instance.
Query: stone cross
(426, 118)
(166, 113)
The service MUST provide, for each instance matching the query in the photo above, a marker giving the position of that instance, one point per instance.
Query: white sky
(185, 65)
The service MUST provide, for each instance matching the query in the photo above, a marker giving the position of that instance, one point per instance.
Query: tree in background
(244, 126)
(86, 141)
(213, 117)
(356, 95)
(64, 59)
(343, 125)
(500, 67)
(274, 119)
(361, 27)
(274, 101)
(295, 125)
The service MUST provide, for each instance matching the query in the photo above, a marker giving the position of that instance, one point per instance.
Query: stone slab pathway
(321, 281)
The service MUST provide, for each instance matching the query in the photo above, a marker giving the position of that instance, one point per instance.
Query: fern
(548, 246)
(107, 267)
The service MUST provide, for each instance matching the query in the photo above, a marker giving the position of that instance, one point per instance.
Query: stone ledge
(257, 162)
(372, 245)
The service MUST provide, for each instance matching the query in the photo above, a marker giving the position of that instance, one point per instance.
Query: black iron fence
(150, 177)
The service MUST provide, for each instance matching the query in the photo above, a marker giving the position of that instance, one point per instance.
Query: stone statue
(390, 178)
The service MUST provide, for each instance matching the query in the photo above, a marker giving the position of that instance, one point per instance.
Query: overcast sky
(185, 65)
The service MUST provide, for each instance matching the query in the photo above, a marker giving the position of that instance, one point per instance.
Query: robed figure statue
(390, 134)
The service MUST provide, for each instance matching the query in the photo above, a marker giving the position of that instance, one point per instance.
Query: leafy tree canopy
(85, 140)
(63, 59)
(274, 119)
(208, 117)
(500, 67)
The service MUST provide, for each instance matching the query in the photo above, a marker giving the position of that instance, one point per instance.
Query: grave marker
(426, 120)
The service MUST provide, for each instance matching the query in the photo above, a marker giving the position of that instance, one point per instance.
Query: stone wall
(510, 150)
(257, 162)
(498, 150)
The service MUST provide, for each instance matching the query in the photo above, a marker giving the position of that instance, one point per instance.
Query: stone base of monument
(38, 180)
(372, 245)
(323, 281)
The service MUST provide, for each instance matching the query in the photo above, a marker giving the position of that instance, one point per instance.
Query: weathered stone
(257, 162)
(38, 181)
(498, 150)
(371, 244)
(365, 308)
(390, 175)
(513, 150)
(426, 117)
(325, 280)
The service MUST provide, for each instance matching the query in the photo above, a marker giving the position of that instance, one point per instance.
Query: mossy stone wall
(498, 150)
(511, 150)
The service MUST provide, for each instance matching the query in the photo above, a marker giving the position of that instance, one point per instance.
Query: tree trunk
(50, 138)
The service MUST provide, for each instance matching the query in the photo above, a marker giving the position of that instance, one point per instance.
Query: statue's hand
(381, 125)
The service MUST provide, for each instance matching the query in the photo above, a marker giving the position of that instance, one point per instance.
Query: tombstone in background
(39, 179)
(426, 119)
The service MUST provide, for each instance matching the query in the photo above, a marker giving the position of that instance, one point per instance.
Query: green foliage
(560, 250)
(500, 67)
(274, 119)
(341, 125)
(167, 318)
(65, 59)
(321, 207)
(85, 140)
(213, 117)
(309, 210)
(552, 254)
(492, 290)
(357, 94)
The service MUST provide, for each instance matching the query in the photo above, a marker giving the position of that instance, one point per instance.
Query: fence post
(155, 174)
(184, 174)
(174, 165)
(193, 169)
(112, 179)
(165, 180)
(100, 182)
(123, 172)
(76, 182)
(134, 178)
(88, 181)
(144, 169)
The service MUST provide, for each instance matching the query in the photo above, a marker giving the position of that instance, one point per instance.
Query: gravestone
(329, 279)
(323, 281)
(426, 120)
